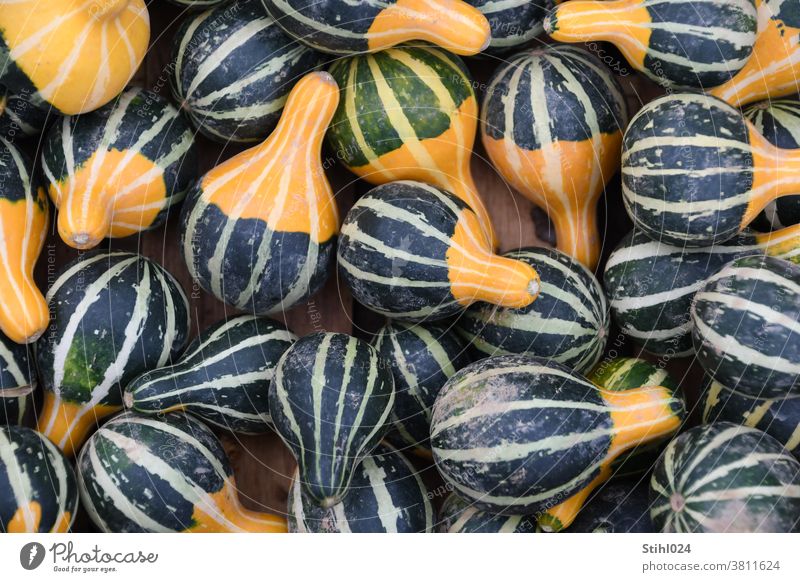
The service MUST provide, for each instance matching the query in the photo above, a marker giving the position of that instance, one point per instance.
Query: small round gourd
(386, 495)
(460, 516)
(513, 23)
(745, 326)
(113, 316)
(330, 401)
(166, 475)
(678, 43)
(552, 122)
(619, 506)
(259, 230)
(232, 69)
(119, 170)
(412, 251)
(17, 381)
(568, 323)
(38, 489)
(725, 478)
(223, 377)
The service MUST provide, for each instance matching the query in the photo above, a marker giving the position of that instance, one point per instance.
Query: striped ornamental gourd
(17, 381)
(408, 113)
(113, 316)
(774, 67)
(232, 69)
(778, 416)
(24, 218)
(568, 323)
(552, 122)
(779, 122)
(746, 326)
(725, 478)
(695, 172)
(141, 474)
(330, 402)
(412, 251)
(118, 171)
(650, 284)
(71, 55)
(513, 23)
(223, 377)
(422, 357)
(38, 489)
(197, 3)
(346, 27)
(677, 43)
(460, 516)
(619, 506)
(259, 230)
(503, 426)
(386, 495)
(19, 117)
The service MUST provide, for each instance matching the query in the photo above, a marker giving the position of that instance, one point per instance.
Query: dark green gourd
(460, 516)
(386, 495)
(514, 23)
(17, 381)
(222, 378)
(330, 401)
(619, 506)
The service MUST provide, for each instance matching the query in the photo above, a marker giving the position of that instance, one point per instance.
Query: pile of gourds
(495, 367)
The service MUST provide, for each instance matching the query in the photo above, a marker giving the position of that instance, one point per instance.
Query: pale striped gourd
(142, 474)
(259, 230)
(677, 43)
(552, 122)
(460, 516)
(114, 315)
(619, 506)
(17, 381)
(412, 251)
(119, 170)
(330, 402)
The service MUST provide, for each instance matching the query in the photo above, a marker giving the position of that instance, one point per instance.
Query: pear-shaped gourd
(345, 27)
(677, 43)
(24, 212)
(774, 67)
(330, 402)
(259, 230)
(114, 315)
(408, 113)
(117, 171)
(71, 55)
(39, 492)
(503, 426)
(412, 251)
(17, 381)
(223, 377)
(142, 474)
(552, 122)
(695, 172)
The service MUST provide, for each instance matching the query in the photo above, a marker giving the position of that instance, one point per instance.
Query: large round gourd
(17, 381)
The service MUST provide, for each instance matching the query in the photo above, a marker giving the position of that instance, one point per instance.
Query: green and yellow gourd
(513, 23)
(330, 402)
(142, 474)
(677, 43)
(408, 113)
(503, 426)
(386, 495)
(774, 67)
(38, 489)
(705, 183)
(650, 284)
(344, 27)
(552, 122)
(459, 516)
(232, 69)
(568, 323)
(114, 315)
(223, 377)
(24, 213)
(117, 171)
(258, 231)
(725, 478)
(778, 416)
(422, 357)
(779, 122)
(17, 381)
(619, 506)
(745, 326)
(412, 251)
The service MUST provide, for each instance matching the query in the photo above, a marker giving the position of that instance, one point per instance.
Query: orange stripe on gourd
(780, 242)
(67, 424)
(26, 519)
(232, 516)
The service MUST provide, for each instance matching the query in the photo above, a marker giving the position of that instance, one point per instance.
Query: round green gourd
(460, 516)
(17, 381)
(620, 506)
(223, 377)
(725, 478)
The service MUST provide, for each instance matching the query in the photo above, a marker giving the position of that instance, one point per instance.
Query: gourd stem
(562, 515)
